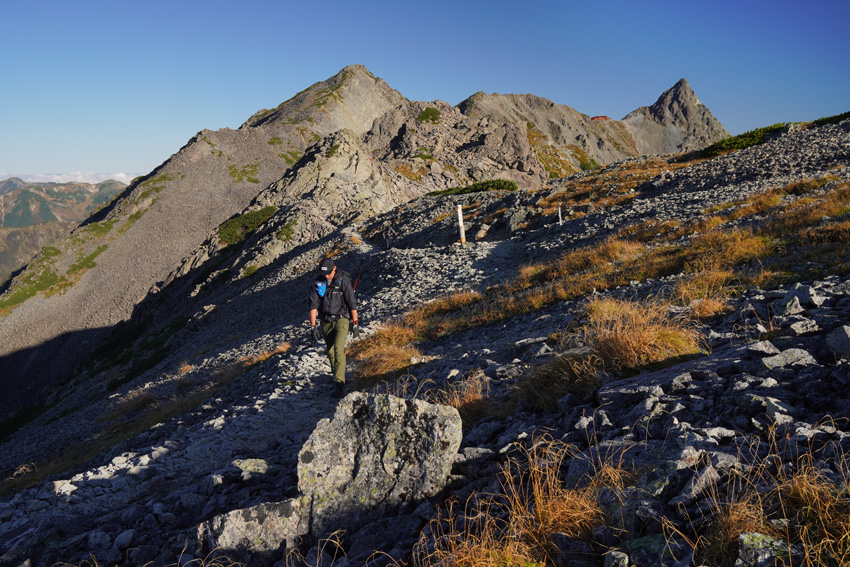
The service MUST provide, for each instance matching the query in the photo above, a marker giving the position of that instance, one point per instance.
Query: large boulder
(377, 454)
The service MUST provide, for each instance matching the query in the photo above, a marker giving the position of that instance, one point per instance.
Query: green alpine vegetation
(287, 231)
(237, 229)
(245, 173)
(430, 114)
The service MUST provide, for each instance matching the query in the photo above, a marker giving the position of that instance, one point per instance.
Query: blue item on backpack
(321, 287)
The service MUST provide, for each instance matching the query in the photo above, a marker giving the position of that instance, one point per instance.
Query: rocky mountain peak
(350, 99)
(676, 122)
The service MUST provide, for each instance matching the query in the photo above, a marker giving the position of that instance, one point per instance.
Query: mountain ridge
(166, 224)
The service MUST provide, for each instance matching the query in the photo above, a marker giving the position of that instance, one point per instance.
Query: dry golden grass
(631, 334)
(836, 232)
(619, 335)
(796, 502)
(577, 375)
(131, 403)
(729, 247)
(471, 397)
(540, 504)
(809, 210)
(515, 530)
(706, 287)
(383, 355)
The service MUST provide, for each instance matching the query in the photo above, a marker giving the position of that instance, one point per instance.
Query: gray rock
(616, 558)
(838, 342)
(792, 356)
(789, 306)
(377, 453)
(760, 550)
(700, 483)
(125, 539)
(260, 533)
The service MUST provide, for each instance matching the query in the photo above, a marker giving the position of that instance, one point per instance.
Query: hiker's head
(327, 268)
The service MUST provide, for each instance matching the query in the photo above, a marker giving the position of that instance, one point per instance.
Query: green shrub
(430, 114)
(40, 280)
(741, 141)
(287, 231)
(588, 165)
(99, 229)
(487, 185)
(290, 157)
(237, 229)
(245, 173)
(86, 263)
(831, 119)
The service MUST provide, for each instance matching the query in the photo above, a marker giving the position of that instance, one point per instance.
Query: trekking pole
(460, 222)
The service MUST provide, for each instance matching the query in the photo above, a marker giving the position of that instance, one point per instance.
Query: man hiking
(332, 304)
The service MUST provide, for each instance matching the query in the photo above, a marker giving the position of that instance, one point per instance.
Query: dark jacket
(338, 299)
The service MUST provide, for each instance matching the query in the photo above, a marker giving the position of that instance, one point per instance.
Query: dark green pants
(335, 334)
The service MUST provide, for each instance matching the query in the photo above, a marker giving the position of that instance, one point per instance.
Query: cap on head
(326, 266)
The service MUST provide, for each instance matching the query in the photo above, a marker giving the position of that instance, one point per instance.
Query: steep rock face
(11, 184)
(677, 122)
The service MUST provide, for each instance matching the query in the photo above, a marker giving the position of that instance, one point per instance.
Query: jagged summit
(676, 122)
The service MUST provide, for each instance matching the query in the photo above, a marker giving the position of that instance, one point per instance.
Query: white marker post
(460, 223)
(560, 219)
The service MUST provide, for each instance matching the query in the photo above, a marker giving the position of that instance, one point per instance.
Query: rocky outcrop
(575, 136)
(677, 122)
(376, 455)
(232, 462)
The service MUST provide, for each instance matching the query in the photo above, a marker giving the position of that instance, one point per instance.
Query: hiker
(389, 235)
(332, 304)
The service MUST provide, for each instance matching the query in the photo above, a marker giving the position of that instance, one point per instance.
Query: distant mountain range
(33, 215)
(347, 148)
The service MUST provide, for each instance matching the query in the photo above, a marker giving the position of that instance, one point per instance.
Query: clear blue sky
(95, 86)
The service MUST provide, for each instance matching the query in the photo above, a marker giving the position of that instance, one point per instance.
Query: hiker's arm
(354, 318)
(313, 314)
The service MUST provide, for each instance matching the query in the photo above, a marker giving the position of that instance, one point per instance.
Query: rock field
(234, 470)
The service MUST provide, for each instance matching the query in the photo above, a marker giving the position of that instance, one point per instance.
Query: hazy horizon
(73, 177)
